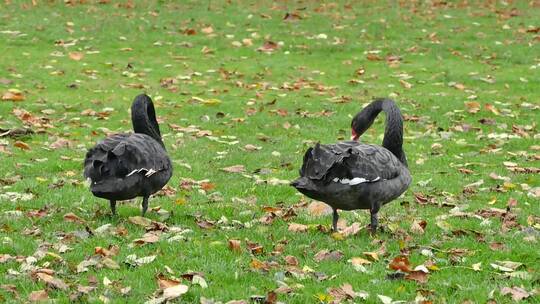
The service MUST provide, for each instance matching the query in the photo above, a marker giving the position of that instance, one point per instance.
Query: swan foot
(144, 205)
(113, 206)
(335, 220)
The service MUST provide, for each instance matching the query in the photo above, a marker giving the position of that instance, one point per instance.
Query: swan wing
(350, 163)
(123, 155)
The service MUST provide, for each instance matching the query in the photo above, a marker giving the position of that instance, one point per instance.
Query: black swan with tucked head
(124, 166)
(351, 175)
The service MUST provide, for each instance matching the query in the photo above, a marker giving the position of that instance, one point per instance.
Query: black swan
(124, 166)
(351, 175)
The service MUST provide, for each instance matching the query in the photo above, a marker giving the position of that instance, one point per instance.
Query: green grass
(439, 46)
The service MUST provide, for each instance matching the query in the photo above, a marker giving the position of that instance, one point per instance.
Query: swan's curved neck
(393, 132)
(143, 118)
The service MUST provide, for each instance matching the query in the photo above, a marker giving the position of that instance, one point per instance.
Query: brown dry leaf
(148, 238)
(418, 226)
(164, 282)
(472, 106)
(77, 56)
(38, 296)
(234, 245)
(254, 248)
(418, 276)
(459, 86)
(112, 250)
(291, 260)
(141, 221)
(207, 30)
(235, 169)
(325, 254)
(294, 227)
(52, 281)
(359, 261)
(497, 246)
(405, 84)
(258, 265)
(4, 258)
(268, 47)
(204, 224)
(13, 95)
(292, 16)
(492, 109)
(71, 217)
(400, 263)
(21, 145)
(351, 230)
(317, 208)
(60, 143)
(373, 57)
(517, 293)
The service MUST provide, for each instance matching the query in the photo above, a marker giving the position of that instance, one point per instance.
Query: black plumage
(351, 175)
(124, 166)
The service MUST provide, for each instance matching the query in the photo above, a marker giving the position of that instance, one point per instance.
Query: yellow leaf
(211, 101)
(338, 236)
(13, 95)
(371, 255)
(322, 297)
(508, 185)
(180, 201)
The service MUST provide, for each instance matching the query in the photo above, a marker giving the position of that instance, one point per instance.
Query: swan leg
(144, 205)
(374, 218)
(335, 220)
(374, 222)
(113, 206)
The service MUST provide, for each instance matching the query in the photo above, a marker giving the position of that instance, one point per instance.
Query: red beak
(354, 136)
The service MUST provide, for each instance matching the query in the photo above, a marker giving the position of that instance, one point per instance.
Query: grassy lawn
(255, 84)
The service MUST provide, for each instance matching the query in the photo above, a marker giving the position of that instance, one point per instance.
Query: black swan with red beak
(124, 166)
(351, 175)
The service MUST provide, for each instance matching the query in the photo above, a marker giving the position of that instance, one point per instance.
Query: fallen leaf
(174, 292)
(294, 227)
(418, 276)
(291, 260)
(327, 255)
(384, 299)
(351, 230)
(400, 263)
(60, 143)
(418, 226)
(77, 56)
(134, 261)
(52, 281)
(372, 255)
(71, 217)
(517, 293)
(235, 169)
(234, 245)
(38, 296)
(141, 221)
(13, 95)
(268, 47)
(148, 238)
(316, 208)
(21, 145)
(472, 106)
(164, 282)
